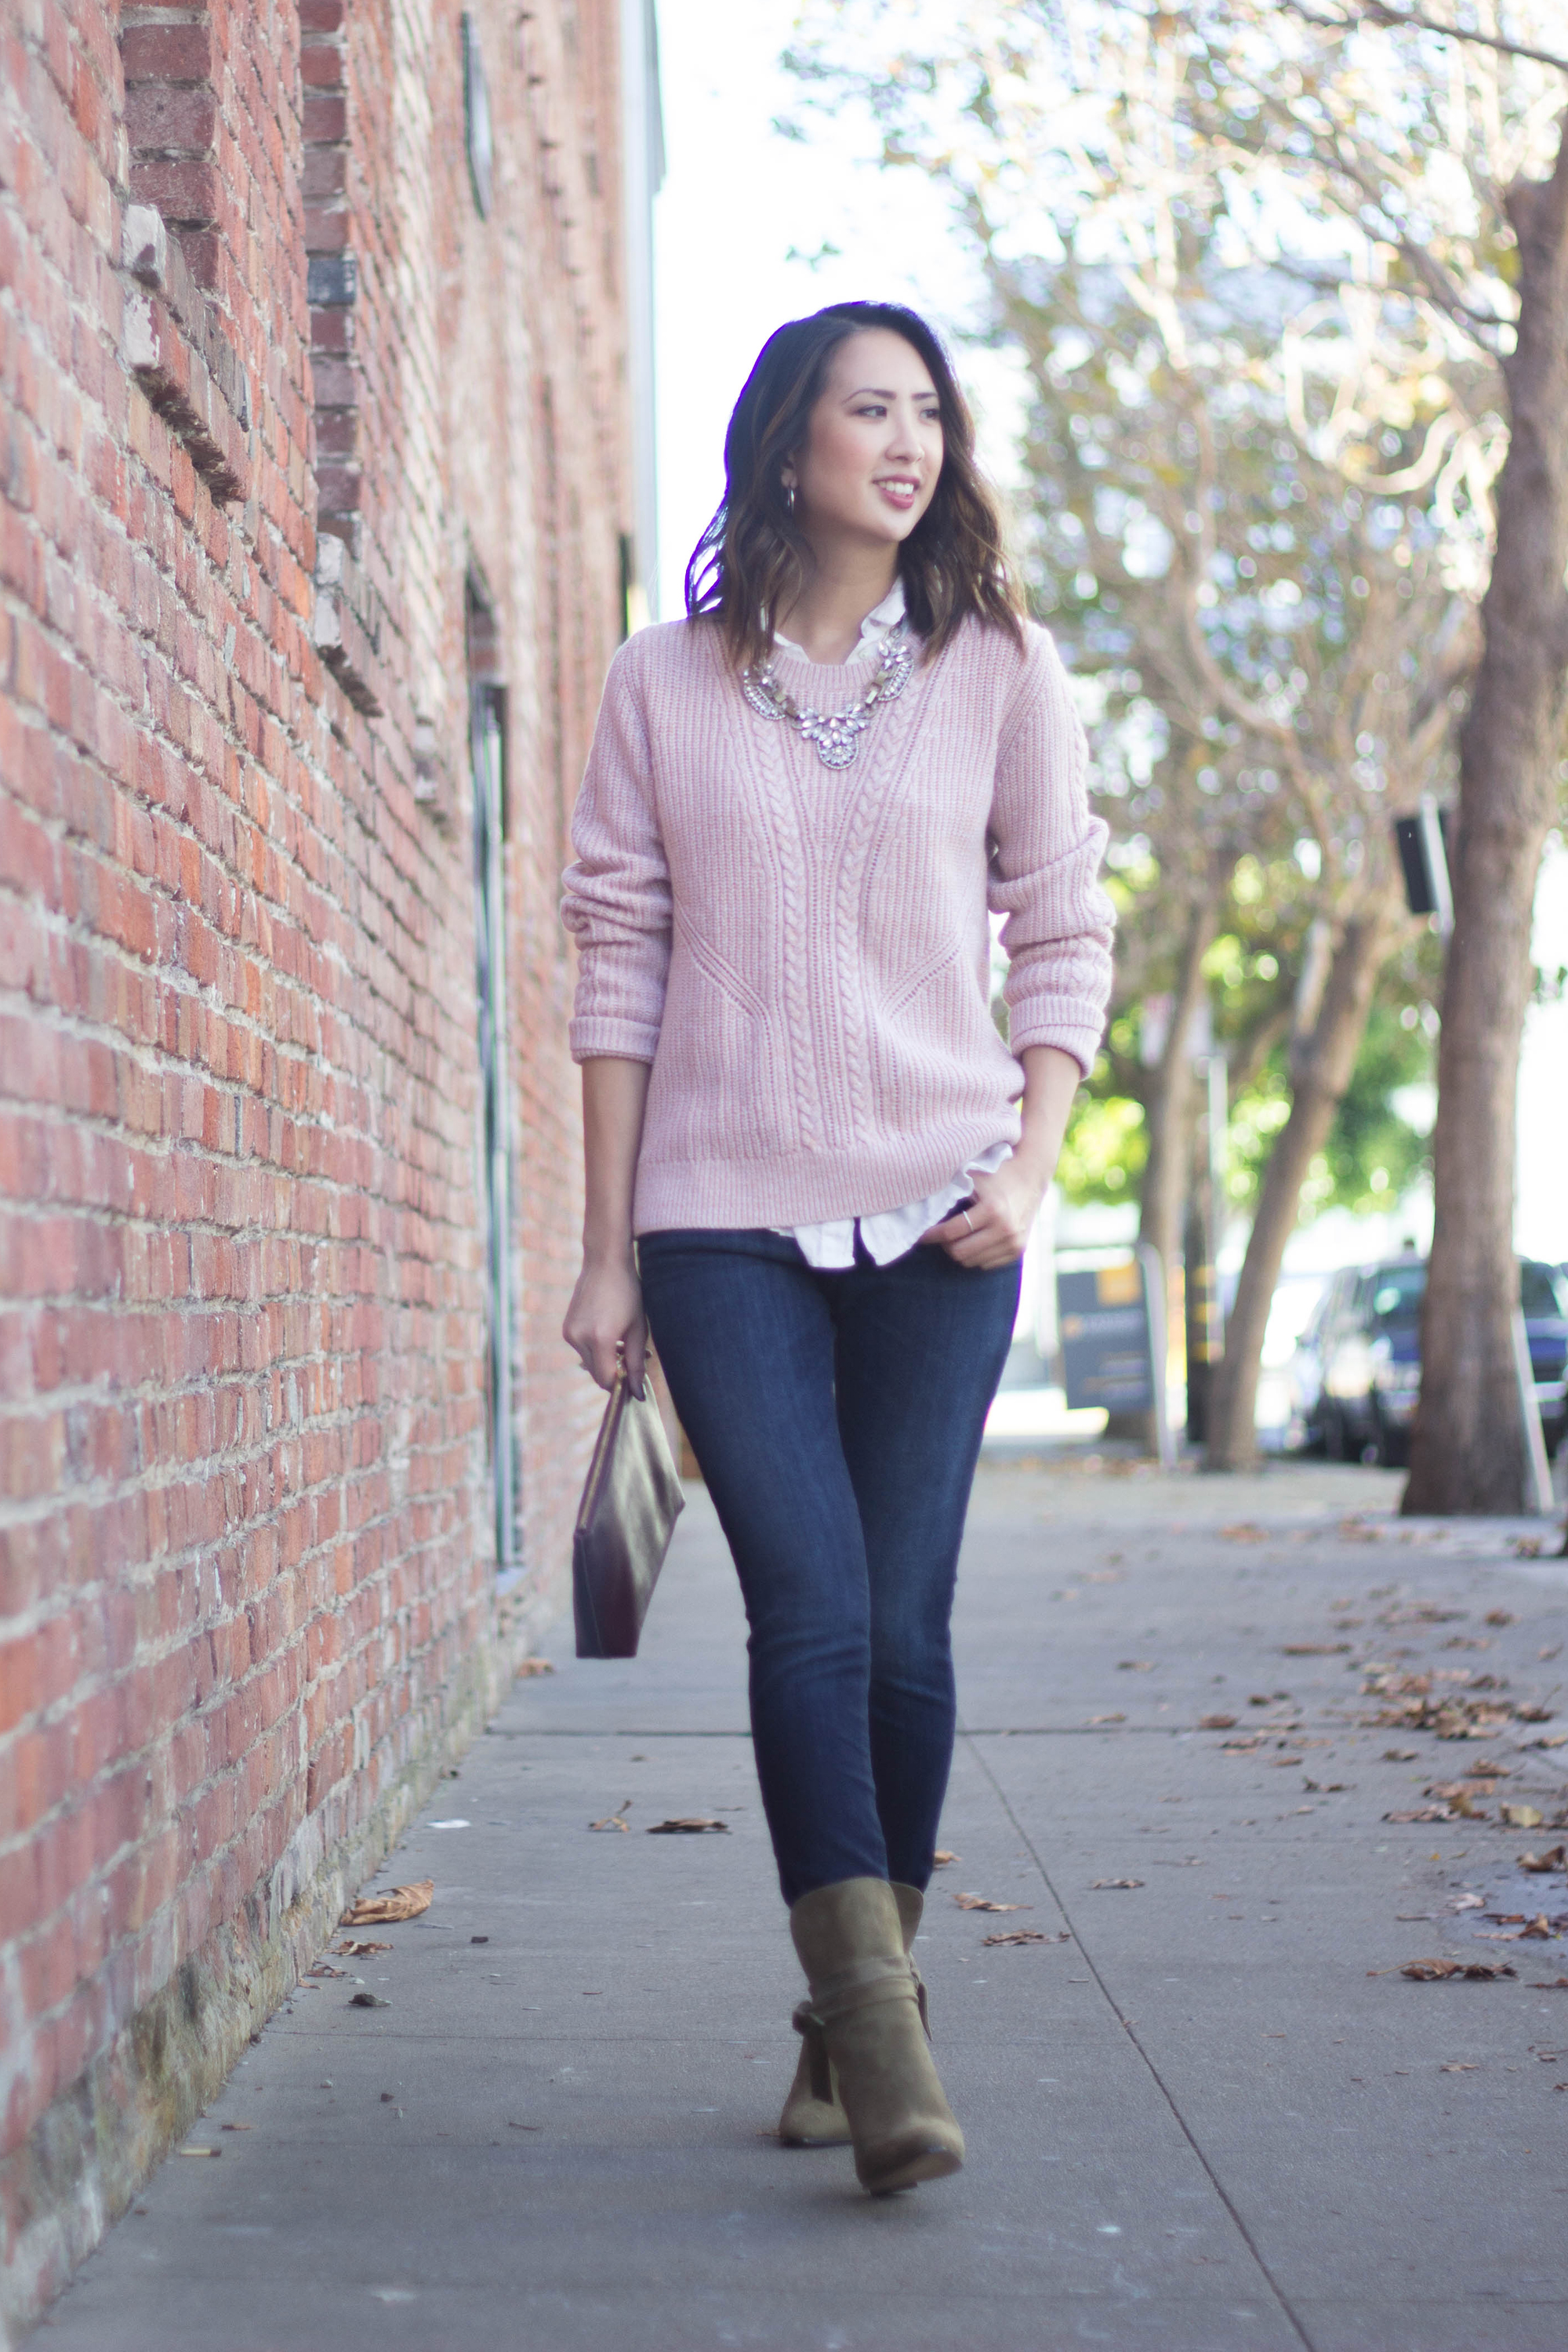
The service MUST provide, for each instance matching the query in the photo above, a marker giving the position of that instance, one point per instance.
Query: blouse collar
(877, 623)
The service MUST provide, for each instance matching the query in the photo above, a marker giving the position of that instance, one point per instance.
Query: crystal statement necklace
(835, 733)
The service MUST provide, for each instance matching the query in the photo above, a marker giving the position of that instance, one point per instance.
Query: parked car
(1356, 1372)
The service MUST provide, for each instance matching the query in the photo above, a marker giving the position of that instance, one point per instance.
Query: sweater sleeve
(1045, 861)
(617, 896)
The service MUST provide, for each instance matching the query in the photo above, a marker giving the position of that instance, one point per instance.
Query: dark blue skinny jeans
(837, 1418)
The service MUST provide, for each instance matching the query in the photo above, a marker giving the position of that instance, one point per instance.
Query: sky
(737, 203)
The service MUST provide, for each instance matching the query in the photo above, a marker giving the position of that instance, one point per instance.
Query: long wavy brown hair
(751, 561)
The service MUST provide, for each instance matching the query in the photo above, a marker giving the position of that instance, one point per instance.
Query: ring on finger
(967, 1219)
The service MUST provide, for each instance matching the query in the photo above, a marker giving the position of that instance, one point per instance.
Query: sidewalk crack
(1274, 2289)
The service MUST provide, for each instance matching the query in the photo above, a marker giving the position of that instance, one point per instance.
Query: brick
(325, 117)
(171, 118)
(184, 189)
(166, 52)
(323, 66)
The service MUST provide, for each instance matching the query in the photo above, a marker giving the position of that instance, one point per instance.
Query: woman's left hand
(996, 1224)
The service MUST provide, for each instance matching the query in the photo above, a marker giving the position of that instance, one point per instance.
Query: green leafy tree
(1269, 631)
(1438, 146)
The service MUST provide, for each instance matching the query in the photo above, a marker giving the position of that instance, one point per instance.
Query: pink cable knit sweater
(803, 953)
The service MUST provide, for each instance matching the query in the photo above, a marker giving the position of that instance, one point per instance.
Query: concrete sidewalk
(1197, 2119)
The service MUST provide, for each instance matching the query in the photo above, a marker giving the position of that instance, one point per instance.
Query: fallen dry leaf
(1434, 1971)
(1501, 1617)
(1314, 1649)
(1458, 2066)
(1525, 1547)
(1539, 1928)
(1554, 1858)
(1116, 1882)
(1457, 1794)
(1471, 1903)
(1245, 1531)
(1454, 1714)
(1552, 1984)
(983, 1903)
(615, 1821)
(353, 1949)
(201, 2151)
(1401, 1755)
(1216, 1723)
(683, 1823)
(1105, 1719)
(1134, 1666)
(531, 1666)
(941, 1857)
(1285, 1763)
(397, 1903)
(1521, 1817)
(236, 2127)
(367, 2000)
(1425, 1813)
(1025, 1935)
(1553, 1739)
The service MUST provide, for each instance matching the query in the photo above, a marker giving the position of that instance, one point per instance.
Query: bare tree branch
(1437, 281)
(1376, 11)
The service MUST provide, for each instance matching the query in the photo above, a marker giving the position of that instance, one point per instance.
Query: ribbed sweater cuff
(593, 1037)
(1074, 1028)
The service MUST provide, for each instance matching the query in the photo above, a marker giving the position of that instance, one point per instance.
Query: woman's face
(870, 467)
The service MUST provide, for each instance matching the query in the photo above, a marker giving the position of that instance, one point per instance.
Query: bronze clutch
(631, 1503)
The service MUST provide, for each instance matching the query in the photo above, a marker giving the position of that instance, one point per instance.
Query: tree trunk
(1172, 1100)
(1321, 1074)
(1200, 1292)
(1169, 1110)
(1467, 1448)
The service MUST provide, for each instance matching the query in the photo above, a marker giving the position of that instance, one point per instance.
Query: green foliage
(1375, 1150)
(1105, 1146)
(1375, 1153)
(1378, 1146)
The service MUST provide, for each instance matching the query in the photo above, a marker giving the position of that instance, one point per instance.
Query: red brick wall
(244, 1552)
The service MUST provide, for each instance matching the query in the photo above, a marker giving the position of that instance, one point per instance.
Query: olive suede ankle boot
(810, 2120)
(864, 2003)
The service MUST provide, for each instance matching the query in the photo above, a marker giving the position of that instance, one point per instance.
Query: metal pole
(1432, 841)
(1153, 1268)
(1218, 1126)
(1540, 1469)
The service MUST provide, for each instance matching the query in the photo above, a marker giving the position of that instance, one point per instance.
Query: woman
(809, 1171)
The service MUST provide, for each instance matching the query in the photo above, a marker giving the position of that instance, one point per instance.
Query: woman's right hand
(605, 1316)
